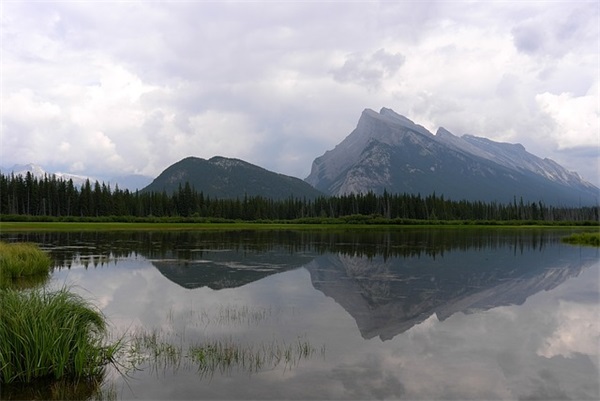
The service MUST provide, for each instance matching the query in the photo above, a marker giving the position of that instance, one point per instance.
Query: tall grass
(155, 350)
(47, 334)
(590, 239)
(223, 356)
(20, 261)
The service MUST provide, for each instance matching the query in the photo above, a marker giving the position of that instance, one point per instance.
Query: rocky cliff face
(389, 152)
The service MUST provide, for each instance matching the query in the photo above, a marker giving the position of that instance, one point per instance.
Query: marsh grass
(226, 315)
(224, 356)
(155, 350)
(51, 334)
(23, 263)
(591, 239)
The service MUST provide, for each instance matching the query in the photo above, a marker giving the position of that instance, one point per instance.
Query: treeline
(50, 196)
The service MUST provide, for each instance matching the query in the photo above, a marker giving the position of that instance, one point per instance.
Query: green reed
(223, 356)
(46, 334)
(22, 262)
(591, 239)
(154, 349)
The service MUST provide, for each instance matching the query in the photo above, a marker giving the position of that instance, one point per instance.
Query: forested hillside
(30, 196)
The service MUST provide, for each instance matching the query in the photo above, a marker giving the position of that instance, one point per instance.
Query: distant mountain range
(131, 182)
(387, 151)
(221, 177)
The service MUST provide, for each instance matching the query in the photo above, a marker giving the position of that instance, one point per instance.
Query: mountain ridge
(228, 178)
(385, 152)
(389, 152)
(130, 182)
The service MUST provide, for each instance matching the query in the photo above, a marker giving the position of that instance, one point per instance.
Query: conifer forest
(51, 198)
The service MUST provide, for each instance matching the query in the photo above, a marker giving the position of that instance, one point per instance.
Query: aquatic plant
(223, 356)
(592, 239)
(154, 350)
(46, 334)
(23, 262)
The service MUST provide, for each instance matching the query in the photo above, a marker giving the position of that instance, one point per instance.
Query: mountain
(221, 177)
(131, 182)
(39, 172)
(387, 151)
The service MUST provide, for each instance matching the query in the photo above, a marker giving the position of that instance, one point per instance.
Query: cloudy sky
(105, 88)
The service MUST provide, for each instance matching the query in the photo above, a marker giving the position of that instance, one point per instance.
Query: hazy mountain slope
(389, 152)
(39, 172)
(221, 177)
(131, 182)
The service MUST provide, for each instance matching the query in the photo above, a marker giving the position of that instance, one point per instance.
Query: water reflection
(227, 268)
(387, 280)
(393, 309)
(96, 248)
(388, 296)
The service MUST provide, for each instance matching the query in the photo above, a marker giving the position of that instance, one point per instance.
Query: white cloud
(577, 118)
(578, 331)
(288, 76)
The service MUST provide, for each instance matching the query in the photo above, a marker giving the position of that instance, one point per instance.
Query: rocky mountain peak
(444, 133)
(387, 151)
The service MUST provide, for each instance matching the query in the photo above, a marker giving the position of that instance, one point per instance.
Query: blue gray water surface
(389, 314)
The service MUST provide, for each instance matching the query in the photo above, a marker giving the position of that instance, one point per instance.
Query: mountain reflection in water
(388, 297)
(388, 281)
(411, 292)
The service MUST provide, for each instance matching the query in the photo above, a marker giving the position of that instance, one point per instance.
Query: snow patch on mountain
(131, 182)
(39, 173)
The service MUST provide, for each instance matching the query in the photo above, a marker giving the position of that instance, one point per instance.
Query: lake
(414, 313)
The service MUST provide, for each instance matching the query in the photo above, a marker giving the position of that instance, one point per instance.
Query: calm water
(408, 314)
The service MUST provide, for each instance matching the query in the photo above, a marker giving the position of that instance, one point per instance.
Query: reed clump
(51, 334)
(590, 239)
(156, 350)
(22, 261)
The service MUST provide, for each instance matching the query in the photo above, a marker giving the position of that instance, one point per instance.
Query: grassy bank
(591, 239)
(43, 334)
(47, 334)
(22, 262)
(327, 224)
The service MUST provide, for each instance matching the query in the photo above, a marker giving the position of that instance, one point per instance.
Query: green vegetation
(591, 239)
(223, 356)
(52, 199)
(166, 348)
(22, 264)
(199, 224)
(222, 177)
(153, 348)
(47, 334)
